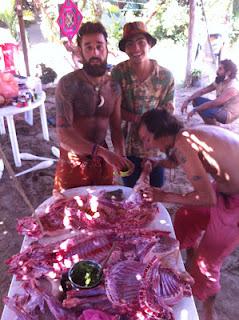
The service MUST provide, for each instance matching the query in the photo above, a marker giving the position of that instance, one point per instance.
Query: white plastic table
(9, 112)
(185, 309)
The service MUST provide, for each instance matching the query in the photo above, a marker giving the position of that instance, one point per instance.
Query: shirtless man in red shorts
(87, 104)
(209, 156)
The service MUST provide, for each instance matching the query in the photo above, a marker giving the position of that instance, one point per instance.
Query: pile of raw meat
(93, 211)
(140, 281)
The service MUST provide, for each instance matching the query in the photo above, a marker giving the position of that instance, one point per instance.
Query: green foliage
(234, 35)
(11, 22)
(171, 22)
(112, 16)
(28, 15)
(236, 8)
(49, 14)
(8, 15)
(196, 74)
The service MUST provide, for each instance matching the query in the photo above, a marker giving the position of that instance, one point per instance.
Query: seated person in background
(223, 109)
(212, 207)
(145, 85)
(87, 104)
(75, 53)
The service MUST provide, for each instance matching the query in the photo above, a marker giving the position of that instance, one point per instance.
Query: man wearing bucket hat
(145, 86)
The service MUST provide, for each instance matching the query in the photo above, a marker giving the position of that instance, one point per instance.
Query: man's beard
(95, 70)
(219, 79)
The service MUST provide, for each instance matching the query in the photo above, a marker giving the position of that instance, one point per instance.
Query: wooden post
(191, 45)
(23, 34)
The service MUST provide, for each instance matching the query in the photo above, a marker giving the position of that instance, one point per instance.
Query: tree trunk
(191, 44)
(23, 34)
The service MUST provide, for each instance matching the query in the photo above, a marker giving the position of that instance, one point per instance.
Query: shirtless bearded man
(212, 206)
(88, 103)
(225, 107)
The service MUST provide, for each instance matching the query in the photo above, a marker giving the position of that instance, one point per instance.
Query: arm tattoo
(62, 104)
(61, 120)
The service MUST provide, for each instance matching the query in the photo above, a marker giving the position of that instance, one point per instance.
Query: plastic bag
(8, 86)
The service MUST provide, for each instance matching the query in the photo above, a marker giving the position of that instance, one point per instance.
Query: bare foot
(209, 312)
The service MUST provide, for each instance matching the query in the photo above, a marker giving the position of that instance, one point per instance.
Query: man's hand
(185, 106)
(117, 162)
(153, 194)
(149, 194)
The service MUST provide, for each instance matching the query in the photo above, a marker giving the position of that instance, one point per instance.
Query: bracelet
(94, 150)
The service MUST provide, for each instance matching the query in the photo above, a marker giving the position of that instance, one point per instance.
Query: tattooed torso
(77, 104)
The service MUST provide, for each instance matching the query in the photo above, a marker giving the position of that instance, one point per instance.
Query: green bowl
(85, 274)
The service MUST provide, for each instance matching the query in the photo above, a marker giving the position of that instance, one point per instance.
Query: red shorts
(76, 171)
(221, 237)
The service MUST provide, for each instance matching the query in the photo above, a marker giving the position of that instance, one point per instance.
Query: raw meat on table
(126, 288)
(93, 211)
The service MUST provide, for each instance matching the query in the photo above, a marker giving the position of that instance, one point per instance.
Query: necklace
(97, 87)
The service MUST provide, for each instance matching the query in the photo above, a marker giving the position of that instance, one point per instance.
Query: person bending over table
(87, 104)
(225, 107)
(145, 85)
(212, 206)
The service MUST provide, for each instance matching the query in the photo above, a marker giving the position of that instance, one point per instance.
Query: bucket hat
(133, 28)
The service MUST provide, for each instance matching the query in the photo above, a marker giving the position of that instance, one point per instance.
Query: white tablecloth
(184, 310)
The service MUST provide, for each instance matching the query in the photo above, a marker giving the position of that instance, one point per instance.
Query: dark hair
(229, 66)
(90, 28)
(161, 123)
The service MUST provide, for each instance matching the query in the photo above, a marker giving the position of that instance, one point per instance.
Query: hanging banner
(69, 19)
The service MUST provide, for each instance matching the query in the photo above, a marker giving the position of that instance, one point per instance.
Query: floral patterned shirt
(140, 96)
